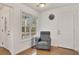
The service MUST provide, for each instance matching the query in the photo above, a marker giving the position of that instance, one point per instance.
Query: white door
(4, 18)
(1, 31)
(65, 27)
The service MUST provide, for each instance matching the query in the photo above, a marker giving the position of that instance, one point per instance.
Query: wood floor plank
(4, 51)
(53, 51)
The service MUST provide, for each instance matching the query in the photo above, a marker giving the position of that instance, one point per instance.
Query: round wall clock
(51, 16)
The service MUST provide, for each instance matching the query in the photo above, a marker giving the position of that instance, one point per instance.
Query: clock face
(51, 16)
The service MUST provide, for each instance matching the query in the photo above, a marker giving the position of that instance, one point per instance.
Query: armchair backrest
(45, 35)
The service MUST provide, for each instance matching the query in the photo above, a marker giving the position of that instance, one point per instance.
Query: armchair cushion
(43, 43)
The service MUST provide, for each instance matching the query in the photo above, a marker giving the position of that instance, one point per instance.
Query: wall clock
(51, 16)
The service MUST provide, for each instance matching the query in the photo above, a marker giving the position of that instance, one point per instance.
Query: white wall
(76, 41)
(48, 25)
(15, 24)
(52, 25)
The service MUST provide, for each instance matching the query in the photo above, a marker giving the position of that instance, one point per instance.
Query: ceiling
(48, 6)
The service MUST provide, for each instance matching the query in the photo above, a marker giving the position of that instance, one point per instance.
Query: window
(28, 26)
(33, 29)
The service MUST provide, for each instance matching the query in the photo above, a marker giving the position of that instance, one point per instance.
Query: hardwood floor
(53, 51)
(4, 51)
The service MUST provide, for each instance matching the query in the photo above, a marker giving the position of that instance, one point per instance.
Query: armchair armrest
(36, 40)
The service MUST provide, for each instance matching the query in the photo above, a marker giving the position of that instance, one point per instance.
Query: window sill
(25, 39)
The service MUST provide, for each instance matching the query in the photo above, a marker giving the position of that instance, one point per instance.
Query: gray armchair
(44, 42)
